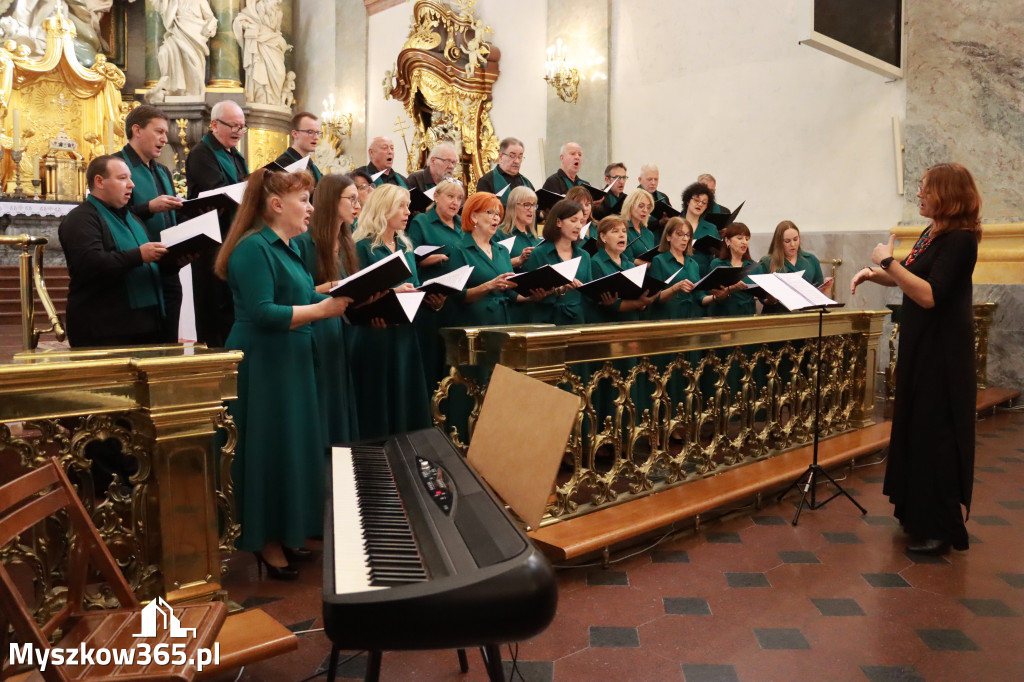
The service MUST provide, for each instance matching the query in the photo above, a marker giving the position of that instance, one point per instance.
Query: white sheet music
(206, 224)
(235, 191)
(370, 268)
(568, 268)
(456, 279)
(300, 165)
(792, 290)
(508, 243)
(410, 302)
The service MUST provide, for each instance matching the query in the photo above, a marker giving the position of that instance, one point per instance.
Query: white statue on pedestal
(188, 27)
(258, 30)
(22, 22)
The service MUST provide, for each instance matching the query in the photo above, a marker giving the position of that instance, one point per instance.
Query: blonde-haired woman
(279, 468)
(387, 370)
(635, 212)
(520, 221)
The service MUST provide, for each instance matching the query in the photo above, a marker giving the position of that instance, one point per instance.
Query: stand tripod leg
(808, 486)
(843, 492)
(492, 659)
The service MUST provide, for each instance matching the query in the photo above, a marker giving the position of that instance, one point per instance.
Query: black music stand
(809, 477)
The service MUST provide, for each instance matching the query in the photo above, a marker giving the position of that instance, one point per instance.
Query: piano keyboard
(376, 546)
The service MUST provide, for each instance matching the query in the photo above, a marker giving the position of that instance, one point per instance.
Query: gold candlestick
(18, 194)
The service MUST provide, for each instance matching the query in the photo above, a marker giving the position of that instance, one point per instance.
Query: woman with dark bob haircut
(697, 198)
(930, 470)
(564, 305)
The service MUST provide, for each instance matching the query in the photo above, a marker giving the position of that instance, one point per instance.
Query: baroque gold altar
(56, 94)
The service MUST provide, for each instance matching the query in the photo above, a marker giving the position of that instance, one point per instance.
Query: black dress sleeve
(953, 264)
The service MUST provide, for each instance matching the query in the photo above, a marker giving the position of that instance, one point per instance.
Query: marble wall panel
(965, 98)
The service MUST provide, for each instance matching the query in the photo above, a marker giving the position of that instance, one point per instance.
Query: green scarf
(380, 179)
(143, 281)
(569, 184)
(224, 160)
(501, 183)
(145, 190)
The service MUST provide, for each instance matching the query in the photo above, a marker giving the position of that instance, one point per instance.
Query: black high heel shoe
(288, 572)
(298, 554)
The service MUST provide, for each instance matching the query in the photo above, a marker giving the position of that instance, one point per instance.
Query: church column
(225, 55)
(286, 31)
(154, 33)
(584, 26)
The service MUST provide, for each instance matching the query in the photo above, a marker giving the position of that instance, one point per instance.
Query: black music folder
(722, 220)
(628, 285)
(648, 255)
(723, 276)
(392, 307)
(591, 246)
(421, 252)
(546, 277)
(595, 193)
(449, 283)
(546, 199)
(380, 276)
(420, 201)
(211, 202)
(660, 210)
(708, 243)
(192, 236)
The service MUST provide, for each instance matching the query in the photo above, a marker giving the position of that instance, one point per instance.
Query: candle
(110, 137)
(16, 132)
(35, 167)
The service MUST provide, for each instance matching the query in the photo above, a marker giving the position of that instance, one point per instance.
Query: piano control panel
(436, 483)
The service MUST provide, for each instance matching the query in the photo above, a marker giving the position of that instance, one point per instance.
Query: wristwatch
(886, 262)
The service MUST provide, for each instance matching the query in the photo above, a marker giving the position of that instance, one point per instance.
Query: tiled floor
(753, 598)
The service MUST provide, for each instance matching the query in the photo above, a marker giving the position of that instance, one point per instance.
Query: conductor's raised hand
(883, 251)
(152, 251)
(863, 275)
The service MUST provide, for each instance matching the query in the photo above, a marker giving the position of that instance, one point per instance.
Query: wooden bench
(990, 398)
(611, 526)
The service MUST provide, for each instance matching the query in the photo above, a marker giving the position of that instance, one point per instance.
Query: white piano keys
(351, 565)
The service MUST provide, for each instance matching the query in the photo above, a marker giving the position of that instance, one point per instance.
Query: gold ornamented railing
(672, 401)
(983, 315)
(30, 273)
(156, 411)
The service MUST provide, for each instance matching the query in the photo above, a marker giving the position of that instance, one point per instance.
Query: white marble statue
(188, 27)
(258, 30)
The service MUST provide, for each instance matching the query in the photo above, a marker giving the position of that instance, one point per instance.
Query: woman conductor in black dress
(930, 470)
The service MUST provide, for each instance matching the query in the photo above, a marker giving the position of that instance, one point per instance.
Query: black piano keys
(390, 544)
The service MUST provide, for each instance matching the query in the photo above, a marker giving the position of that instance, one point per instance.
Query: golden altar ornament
(444, 75)
(55, 94)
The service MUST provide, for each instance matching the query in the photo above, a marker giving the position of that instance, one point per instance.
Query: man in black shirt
(441, 164)
(506, 173)
(566, 177)
(305, 137)
(382, 157)
(215, 162)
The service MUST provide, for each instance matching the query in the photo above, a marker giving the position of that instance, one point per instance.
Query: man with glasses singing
(382, 159)
(506, 173)
(441, 164)
(305, 136)
(614, 175)
(215, 162)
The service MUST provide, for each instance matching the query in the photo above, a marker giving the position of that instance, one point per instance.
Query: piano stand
(491, 654)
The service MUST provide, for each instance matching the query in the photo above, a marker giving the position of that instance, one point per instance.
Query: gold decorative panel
(56, 93)
(665, 403)
(264, 145)
(444, 76)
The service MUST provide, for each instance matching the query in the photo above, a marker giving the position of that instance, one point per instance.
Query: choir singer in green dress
(387, 370)
(786, 255)
(635, 212)
(734, 300)
(520, 221)
(697, 197)
(561, 230)
(278, 469)
(329, 254)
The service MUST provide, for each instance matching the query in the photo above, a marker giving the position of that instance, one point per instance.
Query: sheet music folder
(793, 291)
(722, 220)
(520, 464)
(723, 276)
(628, 285)
(392, 307)
(546, 277)
(380, 276)
(192, 236)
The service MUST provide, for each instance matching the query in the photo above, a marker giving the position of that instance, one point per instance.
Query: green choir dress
(737, 303)
(807, 262)
(682, 306)
(278, 469)
(387, 370)
(518, 314)
(427, 229)
(334, 378)
(604, 396)
(554, 309)
(704, 258)
(638, 241)
(493, 308)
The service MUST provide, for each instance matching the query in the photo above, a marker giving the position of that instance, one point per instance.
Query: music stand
(797, 294)
(809, 477)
